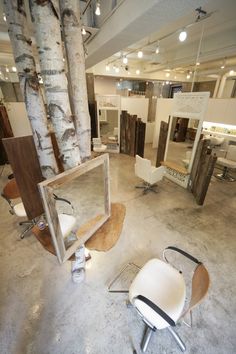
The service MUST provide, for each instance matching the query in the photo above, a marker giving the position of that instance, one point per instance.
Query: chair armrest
(63, 200)
(187, 255)
(157, 309)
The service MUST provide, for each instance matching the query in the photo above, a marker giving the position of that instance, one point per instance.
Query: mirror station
(77, 203)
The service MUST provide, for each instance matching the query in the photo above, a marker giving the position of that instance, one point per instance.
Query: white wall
(18, 118)
(220, 110)
(105, 86)
(229, 85)
(135, 105)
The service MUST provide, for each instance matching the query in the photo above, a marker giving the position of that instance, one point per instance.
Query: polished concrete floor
(42, 311)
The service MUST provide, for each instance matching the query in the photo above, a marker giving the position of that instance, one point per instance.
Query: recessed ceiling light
(14, 69)
(137, 71)
(128, 73)
(117, 70)
(197, 63)
(188, 76)
(7, 70)
(222, 67)
(83, 31)
(140, 54)
(182, 36)
(157, 49)
(231, 72)
(107, 67)
(167, 82)
(4, 17)
(167, 74)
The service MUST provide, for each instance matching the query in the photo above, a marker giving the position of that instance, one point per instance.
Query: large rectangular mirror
(109, 128)
(76, 203)
(182, 137)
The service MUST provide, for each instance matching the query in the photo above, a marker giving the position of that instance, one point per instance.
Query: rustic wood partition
(24, 162)
(132, 134)
(162, 143)
(202, 170)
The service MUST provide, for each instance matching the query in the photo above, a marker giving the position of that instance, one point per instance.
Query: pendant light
(182, 36)
(98, 10)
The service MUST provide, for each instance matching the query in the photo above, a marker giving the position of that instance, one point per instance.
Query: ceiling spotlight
(137, 71)
(128, 72)
(7, 70)
(125, 60)
(140, 54)
(98, 11)
(4, 17)
(157, 49)
(167, 74)
(14, 69)
(117, 70)
(188, 76)
(231, 72)
(83, 31)
(222, 67)
(197, 63)
(107, 67)
(182, 36)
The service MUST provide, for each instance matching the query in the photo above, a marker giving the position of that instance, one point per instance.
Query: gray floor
(42, 311)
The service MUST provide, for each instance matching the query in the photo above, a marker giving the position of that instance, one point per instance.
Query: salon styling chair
(98, 146)
(148, 173)
(158, 293)
(11, 193)
(228, 163)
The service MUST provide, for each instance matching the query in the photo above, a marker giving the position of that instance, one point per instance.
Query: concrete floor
(42, 311)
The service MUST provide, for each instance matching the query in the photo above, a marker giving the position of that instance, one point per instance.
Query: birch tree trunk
(70, 14)
(45, 16)
(25, 63)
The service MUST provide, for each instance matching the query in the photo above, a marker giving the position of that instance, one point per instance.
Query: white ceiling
(135, 23)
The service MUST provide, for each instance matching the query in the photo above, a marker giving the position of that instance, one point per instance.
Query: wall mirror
(108, 113)
(76, 203)
(181, 141)
(109, 125)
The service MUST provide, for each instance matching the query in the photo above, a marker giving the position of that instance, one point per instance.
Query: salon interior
(133, 250)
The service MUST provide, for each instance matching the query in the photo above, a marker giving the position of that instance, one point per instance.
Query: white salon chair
(148, 173)
(10, 193)
(98, 146)
(228, 163)
(158, 293)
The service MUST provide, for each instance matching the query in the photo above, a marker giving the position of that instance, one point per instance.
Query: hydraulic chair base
(147, 187)
(30, 223)
(224, 176)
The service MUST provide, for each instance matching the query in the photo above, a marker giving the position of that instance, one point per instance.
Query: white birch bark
(46, 20)
(70, 14)
(25, 63)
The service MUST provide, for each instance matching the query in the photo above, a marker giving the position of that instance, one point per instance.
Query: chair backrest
(231, 153)
(142, 168)
(200, 286)
(97, 141)
(11, 191)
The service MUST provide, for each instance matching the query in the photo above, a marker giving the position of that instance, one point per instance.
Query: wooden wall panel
(23, 159)
(162, 143)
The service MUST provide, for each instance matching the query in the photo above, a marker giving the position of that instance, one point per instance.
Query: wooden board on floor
(102, 240)
(108, 234)
(24, 162)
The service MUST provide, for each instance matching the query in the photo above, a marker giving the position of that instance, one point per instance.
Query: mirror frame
(46, 189)
(191, 105)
